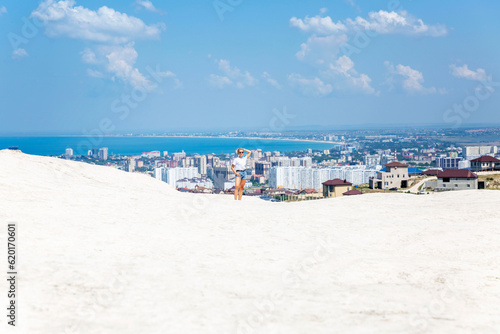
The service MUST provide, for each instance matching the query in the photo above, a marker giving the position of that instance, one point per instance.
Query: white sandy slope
(105, 251)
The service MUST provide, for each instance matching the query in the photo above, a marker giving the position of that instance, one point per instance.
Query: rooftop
(457, 173)
(308, 191)
(432, 172)
(395, 164)
(486, 158)
(352, 192)
(337, 182)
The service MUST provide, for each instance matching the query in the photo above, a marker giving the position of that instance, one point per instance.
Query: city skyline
(71, 67)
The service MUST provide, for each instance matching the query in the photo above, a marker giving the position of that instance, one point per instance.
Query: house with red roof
(306, 194)
(454, 179)
(335, 187)
(432, 172)
(485, 163)
(395, 176)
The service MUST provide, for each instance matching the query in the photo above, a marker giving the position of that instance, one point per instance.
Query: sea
(129, 145)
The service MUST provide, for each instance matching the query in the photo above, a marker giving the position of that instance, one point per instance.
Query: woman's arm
(249, 152)
(232, 168)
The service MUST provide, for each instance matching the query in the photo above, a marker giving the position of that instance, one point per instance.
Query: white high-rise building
(281, 161)
(159, 171)
(172, 175)
(372, 160)
(68, 152)
(215, 162)
(103, 153)
(307, 177)
(473, 152)
(257, 154)
(177, 156)
(295, 162)
(131, 165)
(306, 161)
(201, 163)
(187, 162)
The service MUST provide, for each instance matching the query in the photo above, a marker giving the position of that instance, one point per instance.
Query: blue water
(137, 145)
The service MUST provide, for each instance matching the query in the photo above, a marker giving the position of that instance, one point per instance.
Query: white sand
(105, 251)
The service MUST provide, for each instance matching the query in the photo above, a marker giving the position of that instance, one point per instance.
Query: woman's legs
(237, 182)
(242, 184)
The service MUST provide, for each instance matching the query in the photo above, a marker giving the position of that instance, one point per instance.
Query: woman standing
(240, 163)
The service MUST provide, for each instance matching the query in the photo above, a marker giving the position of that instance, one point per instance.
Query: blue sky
(74, 67)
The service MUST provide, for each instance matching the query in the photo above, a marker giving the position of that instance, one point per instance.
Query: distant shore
(258, 138)
(127, 144)
(218, 137)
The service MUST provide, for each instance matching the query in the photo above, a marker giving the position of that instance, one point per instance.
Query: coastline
(218, 137)
(55, 144)
(258, 138)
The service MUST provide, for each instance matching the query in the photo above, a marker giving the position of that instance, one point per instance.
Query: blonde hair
(238, 149)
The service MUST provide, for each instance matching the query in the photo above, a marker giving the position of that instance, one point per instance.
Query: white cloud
(339, 76)
(3, 10)
(232, 76)
(321, 49)
(327, 37)
(19, 53)
(384, 22)
(148, 5)
(343, 65)
(466, 73)
(347, 77)
(323, 10)
(115, 31)
(88, 56)
(94, 73)
(412, 80)
(317, 24)
(270, 80)
(311, 87)
(219, 81)
(169, 74)
(120, 62)
(63, 18)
